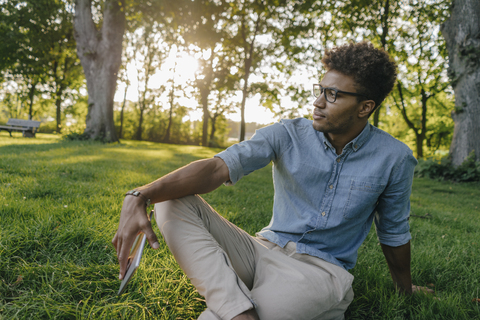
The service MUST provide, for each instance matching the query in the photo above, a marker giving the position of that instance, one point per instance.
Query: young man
(332, 178)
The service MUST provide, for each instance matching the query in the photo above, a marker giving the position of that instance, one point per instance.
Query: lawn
(59, 209)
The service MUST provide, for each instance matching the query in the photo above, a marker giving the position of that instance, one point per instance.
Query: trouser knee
(166, 210)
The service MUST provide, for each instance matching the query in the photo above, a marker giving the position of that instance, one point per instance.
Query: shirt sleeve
(250, 155)
(393, 208)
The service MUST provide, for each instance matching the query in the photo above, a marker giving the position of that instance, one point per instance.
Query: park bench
(28, 127)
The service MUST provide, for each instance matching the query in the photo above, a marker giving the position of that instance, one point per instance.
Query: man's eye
(330, 93)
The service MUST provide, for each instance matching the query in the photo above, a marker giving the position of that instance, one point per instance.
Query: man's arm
(198, 177)
(398, 260)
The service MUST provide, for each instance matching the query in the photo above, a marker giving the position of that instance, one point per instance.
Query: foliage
(39, 52)
(444, 169)
(248, 48)
(60, 204)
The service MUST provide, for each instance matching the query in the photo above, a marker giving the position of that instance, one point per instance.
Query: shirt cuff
(234, 167)
(393, 240)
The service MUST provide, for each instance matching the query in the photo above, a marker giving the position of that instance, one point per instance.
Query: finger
(122, 257)
(151, 237)
(114, 241)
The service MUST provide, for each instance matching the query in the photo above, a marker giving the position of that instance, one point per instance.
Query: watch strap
(137, 193)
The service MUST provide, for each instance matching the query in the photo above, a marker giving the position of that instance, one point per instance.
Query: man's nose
(319, 101)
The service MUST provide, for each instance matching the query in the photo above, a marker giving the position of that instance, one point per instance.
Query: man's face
(341, 116)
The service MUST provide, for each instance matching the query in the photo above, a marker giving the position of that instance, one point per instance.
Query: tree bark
(100, 53)
(213, 126)
(420, 133)
(31, 97)
(383, 40)
(120, 134)
(205, 88)
(171, 101)
(248, 52)
(462, 36)
(204, 93)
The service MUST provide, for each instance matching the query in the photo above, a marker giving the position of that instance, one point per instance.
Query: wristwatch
(138, 194)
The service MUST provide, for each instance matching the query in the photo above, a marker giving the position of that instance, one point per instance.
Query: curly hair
(372, 69)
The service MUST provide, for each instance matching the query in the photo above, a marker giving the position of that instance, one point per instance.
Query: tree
(43, 50)
(373, 20)
(203, 25)
(253, 19)
(64, 69)
(462, 35)
(28, 59)
(421, 53)
(99, 48)
(148, 58)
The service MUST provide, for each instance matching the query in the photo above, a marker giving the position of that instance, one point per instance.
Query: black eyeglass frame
(322, 90)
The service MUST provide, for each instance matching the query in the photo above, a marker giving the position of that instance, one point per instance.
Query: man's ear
(366, 108)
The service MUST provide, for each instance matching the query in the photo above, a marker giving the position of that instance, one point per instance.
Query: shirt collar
(356, 143)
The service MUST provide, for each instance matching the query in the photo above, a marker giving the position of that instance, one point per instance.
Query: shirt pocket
(362, 199)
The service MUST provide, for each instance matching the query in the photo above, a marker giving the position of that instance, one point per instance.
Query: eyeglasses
(331, 93)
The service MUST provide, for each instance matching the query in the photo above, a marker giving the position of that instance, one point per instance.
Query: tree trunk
(169, 127)
(212, 132)
(419, 145)
(172, 103)
(462, 36)
(120, 133)
(31, 96)
(204, 93)
(205, 89)
(100, 53)
(248, 51)
(383, 40)
(138, 135)
(58, 104)
(244, 100)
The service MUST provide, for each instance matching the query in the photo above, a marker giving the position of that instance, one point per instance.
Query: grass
(59, 209)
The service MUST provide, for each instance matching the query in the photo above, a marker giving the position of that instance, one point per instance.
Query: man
(332, 178)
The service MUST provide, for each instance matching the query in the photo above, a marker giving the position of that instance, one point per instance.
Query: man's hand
(198, 177)
(133, 220)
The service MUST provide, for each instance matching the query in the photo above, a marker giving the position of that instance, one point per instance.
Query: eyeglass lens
(330, 94)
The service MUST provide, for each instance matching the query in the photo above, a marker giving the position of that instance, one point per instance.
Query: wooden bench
(28, 127)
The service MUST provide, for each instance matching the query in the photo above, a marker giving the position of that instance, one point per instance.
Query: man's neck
(339, 141)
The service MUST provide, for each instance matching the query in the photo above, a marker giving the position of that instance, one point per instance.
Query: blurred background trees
(184, 69)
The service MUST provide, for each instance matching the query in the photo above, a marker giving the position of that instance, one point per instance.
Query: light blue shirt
(325, 202)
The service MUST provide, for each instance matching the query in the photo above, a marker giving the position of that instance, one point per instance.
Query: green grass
(59, 209)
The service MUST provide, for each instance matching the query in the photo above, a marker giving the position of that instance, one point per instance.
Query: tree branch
(403, 110)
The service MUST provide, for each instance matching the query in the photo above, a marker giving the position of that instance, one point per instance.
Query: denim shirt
(325, 202)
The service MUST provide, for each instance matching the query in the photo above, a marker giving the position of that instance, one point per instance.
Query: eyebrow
(330, 87)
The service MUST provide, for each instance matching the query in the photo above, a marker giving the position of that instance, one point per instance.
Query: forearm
(398, 260)
(198, 177)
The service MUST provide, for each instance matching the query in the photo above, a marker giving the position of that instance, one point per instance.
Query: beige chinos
(236, 272)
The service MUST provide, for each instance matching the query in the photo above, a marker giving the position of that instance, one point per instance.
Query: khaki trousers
(236, 272)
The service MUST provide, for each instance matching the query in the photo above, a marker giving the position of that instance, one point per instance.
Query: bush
(469, 170)
(75, 136)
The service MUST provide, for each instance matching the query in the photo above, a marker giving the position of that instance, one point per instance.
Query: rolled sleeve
(250, 155)
(234, 166)
(393, 209)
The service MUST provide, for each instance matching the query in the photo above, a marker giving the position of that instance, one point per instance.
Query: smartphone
(134, 258)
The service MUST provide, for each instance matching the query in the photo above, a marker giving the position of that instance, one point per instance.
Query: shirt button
(338, 160)
(356, 146)
(323, 213)
(331, 186)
